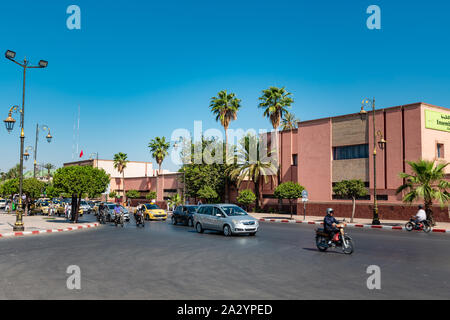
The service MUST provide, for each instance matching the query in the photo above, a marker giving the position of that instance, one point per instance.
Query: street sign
(304, 196)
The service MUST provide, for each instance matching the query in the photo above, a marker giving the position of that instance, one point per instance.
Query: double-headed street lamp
(377, 139)
(49, 139)
(9, 123)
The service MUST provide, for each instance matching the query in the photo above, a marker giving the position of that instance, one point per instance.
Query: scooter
(140, 221)
(412, 225)
(340, 239)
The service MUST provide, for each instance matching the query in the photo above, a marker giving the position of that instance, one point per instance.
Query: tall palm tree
(275, 102)
(120, 163)
(49, 167)
(289, 122)
(225, 107)
(159, 149)
(252, 167)
(426, 182)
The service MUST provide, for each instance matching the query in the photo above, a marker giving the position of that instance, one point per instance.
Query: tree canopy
(80, 180)
(133, 194)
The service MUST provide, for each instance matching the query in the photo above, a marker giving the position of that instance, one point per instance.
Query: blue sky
(140, 69)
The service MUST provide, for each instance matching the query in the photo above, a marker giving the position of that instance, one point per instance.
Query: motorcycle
(101, 217)
(340, 239)
(424, 225)
(118, 219)
(140, 219)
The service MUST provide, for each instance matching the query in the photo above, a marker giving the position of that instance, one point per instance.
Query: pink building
(325, 151)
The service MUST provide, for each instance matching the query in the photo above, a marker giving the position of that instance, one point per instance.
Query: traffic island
(43, 224)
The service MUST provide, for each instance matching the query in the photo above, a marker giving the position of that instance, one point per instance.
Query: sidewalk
(357, 222)
(43, 224)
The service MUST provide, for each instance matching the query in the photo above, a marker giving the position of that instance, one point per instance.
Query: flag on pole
(81, 153)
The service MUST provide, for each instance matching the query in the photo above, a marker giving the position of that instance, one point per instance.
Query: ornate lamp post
(49, 139)
(9, 122)
(381, 144)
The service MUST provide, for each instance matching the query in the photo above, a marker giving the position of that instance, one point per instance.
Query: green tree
(246, 197)
(159, 149)
(207, 193)
(133, 194)
(9, 188)
(79, 180)
(151, 195)
(113, 195)
(427, 182)
(120, 163)
(175, 200)
(253, 164)
(275, 102)
(49, 167)
(14, 172)
(51, 191)
(33, 188)
(352, 189)
(225, 107)
(205, 165)
(290, 191)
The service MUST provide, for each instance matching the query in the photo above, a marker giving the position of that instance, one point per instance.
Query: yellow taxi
(60, 208)
(152, 211)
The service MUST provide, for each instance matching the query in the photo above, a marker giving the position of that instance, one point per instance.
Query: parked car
(152, 211)
(110, 215)
(85, 207)
(227, 218)
(184, 214)
(2, 204)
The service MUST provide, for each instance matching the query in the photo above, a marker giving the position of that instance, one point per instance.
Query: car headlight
(236, 221)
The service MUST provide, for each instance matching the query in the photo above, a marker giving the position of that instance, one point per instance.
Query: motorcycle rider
(420, 216)
(117, 212)
(329, 224)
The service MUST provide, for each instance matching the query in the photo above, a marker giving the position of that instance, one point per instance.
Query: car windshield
(234, 211)
(192, 209)
(44, 204)
(111, 206)
(152, 206)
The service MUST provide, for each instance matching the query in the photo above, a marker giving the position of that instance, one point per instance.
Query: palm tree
(49, 167)
(120, 163)
(426, 182)
(251, 169)
(289, 122)
(158, 148)
(225, 107)
(275, 102)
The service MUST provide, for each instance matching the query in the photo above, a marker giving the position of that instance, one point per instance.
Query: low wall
(385, 211)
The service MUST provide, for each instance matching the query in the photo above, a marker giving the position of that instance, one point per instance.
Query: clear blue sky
(140, 69)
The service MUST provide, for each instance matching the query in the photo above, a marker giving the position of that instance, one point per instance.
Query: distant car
(152, 211)
(2, 204)
(85, 206)
(110, 214)
(227, 218)
(184, 214)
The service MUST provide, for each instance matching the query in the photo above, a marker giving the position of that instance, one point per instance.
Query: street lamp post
(10, 55)
(381, 143)
(92, 155)
(176, 145)
(49, 139)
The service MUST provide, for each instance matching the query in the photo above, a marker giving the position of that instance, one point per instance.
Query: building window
(440, 150)
(360, 151)
(294, 159)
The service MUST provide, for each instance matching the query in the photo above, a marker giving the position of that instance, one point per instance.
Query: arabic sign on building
(437, 120)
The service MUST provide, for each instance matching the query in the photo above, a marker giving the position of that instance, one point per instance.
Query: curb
(26, 233)
(351, 225)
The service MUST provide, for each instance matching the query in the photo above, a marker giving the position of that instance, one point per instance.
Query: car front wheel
(227, 231)
(174, 220)
(199, 227)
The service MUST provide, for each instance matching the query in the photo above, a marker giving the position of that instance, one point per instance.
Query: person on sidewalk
(329, 224)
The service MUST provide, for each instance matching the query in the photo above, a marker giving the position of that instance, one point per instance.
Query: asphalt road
(174, 262)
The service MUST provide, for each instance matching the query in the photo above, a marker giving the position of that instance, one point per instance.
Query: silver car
(228, 218)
